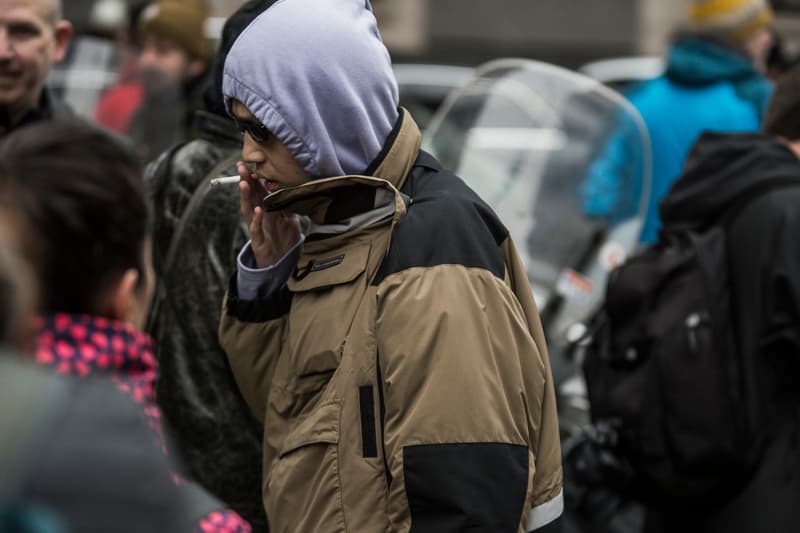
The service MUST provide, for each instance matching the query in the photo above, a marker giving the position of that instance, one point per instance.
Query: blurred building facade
(567, 32)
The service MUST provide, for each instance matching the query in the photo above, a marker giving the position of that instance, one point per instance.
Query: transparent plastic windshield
(562, 159)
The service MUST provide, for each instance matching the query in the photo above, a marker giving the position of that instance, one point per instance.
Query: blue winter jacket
(707, 86)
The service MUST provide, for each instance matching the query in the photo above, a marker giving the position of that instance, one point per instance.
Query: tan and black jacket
(401, 373)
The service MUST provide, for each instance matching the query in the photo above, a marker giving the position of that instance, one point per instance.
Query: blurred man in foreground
(82, 194)
(106, 472)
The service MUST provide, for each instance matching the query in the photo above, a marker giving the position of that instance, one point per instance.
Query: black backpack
(666, 382)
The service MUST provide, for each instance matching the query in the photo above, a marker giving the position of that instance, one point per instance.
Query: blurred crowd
(184, 334)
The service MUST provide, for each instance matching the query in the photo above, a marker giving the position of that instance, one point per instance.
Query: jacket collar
(49, 107)
(333, 200)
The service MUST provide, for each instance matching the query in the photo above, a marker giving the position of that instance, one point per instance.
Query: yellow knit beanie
(182, 21)
(735, 20)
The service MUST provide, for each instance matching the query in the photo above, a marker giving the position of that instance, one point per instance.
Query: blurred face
(165, 63)
(758, 47)
(31, 41)
(273, 161)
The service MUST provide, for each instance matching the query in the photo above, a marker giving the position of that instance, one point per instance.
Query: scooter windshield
(562, 159)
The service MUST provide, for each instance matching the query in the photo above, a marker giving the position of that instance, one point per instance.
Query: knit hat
(735, 20)
(182, 21)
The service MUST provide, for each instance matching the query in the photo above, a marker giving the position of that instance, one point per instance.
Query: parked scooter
(531, 139)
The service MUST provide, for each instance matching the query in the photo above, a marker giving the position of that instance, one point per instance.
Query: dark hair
(17, 287)
(234, 26)
(783, 114)
(82, 195)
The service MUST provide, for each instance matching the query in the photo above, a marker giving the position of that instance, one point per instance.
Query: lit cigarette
(225, 180)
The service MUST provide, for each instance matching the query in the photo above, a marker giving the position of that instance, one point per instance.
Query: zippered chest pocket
(326, 298)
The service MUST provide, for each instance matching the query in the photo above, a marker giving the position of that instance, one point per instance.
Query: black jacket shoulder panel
(446, 223)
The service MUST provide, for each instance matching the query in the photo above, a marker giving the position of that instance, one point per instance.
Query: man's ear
(794, 146)
(196, 67)
(63, 35)
(122, 295)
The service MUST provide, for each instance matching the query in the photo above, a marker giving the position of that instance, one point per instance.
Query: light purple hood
(318, 76)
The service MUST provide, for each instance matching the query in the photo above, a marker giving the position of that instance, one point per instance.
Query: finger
(256, 194)
(257, 191)
(256, 231)
(245, 206)
(243, 171)
(269, 222)
(288, 231)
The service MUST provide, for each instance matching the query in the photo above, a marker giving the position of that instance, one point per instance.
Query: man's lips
(6, 75)
(268, 184)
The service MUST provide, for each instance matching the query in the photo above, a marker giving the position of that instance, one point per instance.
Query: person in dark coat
(764, 261)
(197, 233)
(107, 472)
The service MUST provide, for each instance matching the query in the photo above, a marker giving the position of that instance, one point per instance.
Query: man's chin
(15, 101)
(10, 99)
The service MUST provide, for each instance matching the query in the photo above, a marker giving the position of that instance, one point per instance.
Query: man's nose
(146, 58)
(252, 152)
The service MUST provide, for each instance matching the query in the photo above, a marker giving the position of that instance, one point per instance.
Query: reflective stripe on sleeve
(543, 514)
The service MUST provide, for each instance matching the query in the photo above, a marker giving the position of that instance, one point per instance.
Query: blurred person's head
(81, 193)
(743, 23)
(33, 37)
(174, 48)
(233, 27)
(783, 115)
(17, 286)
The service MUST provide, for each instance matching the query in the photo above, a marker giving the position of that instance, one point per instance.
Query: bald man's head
(56, 13)
(33, 37)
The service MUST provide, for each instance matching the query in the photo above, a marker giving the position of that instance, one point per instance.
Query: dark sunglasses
(257, 131)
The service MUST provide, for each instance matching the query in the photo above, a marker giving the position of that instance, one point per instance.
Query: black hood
(234, 26)
(719, 169)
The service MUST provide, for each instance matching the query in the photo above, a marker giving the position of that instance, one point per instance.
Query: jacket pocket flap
(319, 427)
(317, 271)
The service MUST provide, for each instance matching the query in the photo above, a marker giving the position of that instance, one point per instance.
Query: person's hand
(271, 234)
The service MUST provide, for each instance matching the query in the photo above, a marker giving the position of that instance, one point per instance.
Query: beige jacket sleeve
(470, 427)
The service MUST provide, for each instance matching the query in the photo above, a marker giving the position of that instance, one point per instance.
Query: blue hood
(319, 77)
(698, 61)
